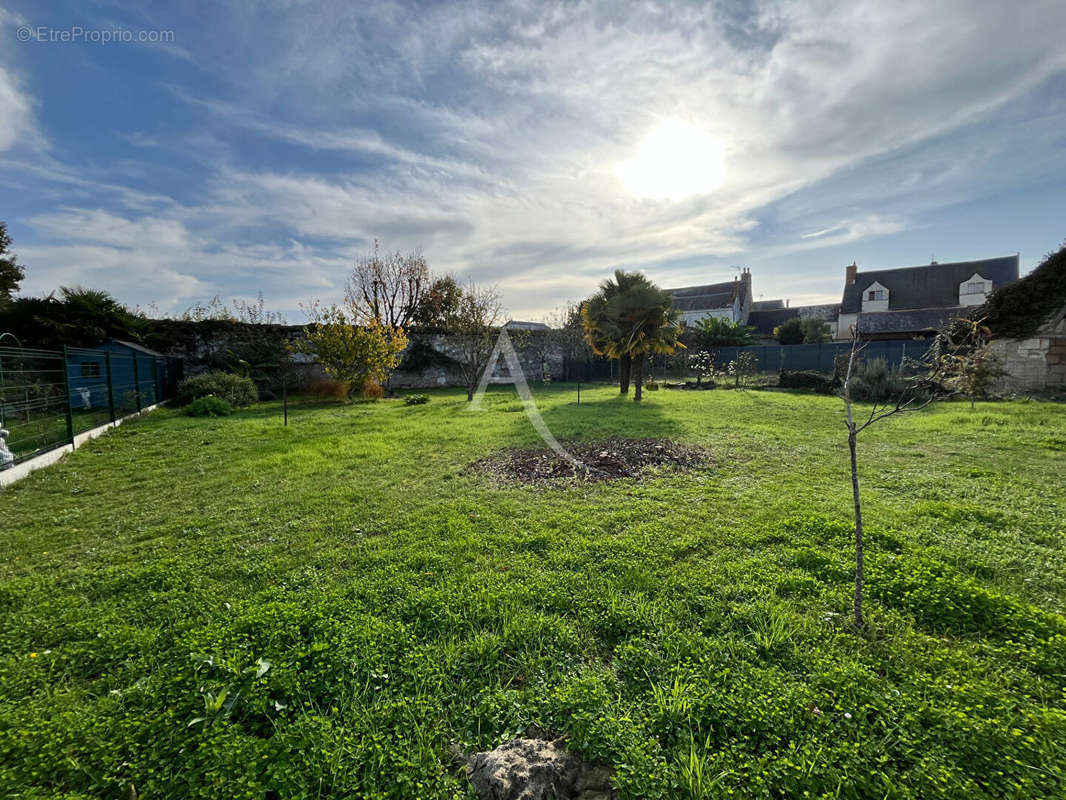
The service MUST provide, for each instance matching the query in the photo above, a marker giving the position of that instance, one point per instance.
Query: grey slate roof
(929, 286)
(712, 295)
(920, 320)
(764, 322)
(767, 305)
(703, 301)
(725, 287)
(522, 325)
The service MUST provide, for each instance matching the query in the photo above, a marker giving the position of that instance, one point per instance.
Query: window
(975, 287)
(90, 369)
(875, 294)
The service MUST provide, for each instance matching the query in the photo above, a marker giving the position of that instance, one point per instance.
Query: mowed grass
(230, 608)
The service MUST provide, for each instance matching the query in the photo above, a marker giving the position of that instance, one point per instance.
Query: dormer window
(875, 297)
(974, 290)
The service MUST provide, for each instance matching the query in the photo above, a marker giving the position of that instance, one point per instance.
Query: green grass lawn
(227, 608)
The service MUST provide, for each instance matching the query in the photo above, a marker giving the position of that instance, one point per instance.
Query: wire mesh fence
(48, 397)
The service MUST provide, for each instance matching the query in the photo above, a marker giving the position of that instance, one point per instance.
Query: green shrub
(790, 331)
(234, 389)
(209, 406)
(806, 379)
(874, 381)
(651, 386)
(416, 399)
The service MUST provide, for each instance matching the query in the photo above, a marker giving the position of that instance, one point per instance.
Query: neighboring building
(765, 320)
(520, 325)
(730, 300)
(769, 305)
(910, 302)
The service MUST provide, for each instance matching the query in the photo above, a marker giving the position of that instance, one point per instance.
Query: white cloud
(16, 113)
(489, 136)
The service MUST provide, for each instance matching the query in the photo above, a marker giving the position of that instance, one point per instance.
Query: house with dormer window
(912, 302)
(730, 301)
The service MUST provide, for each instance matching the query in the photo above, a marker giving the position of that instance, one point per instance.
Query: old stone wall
(215, 344)
(1036, 364)
(536, 354)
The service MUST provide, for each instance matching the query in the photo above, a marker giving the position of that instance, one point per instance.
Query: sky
(175, 151)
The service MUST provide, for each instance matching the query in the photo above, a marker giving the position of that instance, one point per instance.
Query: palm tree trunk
(624, 366)
(638, 378)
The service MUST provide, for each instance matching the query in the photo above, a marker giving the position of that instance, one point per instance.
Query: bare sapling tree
(474, 325)
(887, 398)
(388, 287)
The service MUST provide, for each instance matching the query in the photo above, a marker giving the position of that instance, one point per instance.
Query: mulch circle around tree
(605, 460)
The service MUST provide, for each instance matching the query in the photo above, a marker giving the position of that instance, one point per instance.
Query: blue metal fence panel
(819, 357)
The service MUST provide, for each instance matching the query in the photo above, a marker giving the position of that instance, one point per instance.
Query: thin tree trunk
(853, 433)
(860, 623)
(638, 378)
(624, 366)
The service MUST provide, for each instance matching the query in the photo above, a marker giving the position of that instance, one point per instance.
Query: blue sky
(262, 146)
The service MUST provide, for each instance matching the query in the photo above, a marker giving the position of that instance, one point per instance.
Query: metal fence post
(110, 388)
(66, 391)
(136, 383)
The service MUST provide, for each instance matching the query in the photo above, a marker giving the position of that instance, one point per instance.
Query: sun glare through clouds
(674, 161)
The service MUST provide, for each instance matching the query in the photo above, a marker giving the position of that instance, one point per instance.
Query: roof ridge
(1015, 256)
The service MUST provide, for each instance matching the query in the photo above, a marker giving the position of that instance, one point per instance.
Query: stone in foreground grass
(536, 769)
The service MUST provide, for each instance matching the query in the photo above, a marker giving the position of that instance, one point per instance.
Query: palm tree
(629, 319)
(603, 332)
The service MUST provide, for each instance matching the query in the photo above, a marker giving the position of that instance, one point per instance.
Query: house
(764, 320)
(899, 303)
(913, 302)
(520, 325)
(730, 300)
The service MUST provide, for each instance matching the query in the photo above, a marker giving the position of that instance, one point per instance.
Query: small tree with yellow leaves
(362, 355)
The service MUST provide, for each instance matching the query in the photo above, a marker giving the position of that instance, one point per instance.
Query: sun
(674, 161)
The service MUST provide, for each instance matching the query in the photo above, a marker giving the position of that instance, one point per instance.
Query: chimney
(850, 272)
(786, 302)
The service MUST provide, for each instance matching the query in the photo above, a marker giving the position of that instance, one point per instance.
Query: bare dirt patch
(605, 460)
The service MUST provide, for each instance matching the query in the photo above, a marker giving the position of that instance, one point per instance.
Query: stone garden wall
(1036, 364)
(429, 360)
